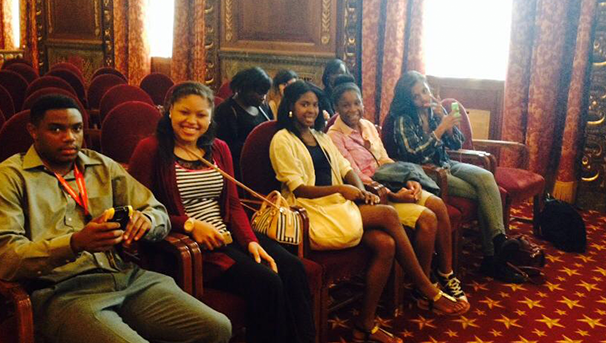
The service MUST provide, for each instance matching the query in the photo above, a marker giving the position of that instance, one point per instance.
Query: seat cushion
(520, 184)
(339, 264)
(229, 304)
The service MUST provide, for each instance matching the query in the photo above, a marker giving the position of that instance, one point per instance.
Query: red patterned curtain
(188, 61)
(131, 45)
(6, 29)
(392, 37)
(546, 84)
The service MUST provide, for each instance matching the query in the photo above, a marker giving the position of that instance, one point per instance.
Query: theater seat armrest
(170, 256)
(304, 247)
(479, 158)
(22, 307)
(440, 175)
(374, 189)
(483, 144)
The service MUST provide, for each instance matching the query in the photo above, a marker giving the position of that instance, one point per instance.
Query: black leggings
(281, 302)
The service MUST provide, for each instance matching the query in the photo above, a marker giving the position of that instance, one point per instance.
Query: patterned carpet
(569, 308)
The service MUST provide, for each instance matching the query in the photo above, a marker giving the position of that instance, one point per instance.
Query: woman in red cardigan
(205, 205)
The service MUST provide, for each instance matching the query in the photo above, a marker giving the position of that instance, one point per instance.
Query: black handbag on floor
(562, 225)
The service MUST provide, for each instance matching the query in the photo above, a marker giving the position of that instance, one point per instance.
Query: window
(160, 20)
(467, 38)
(15, 24)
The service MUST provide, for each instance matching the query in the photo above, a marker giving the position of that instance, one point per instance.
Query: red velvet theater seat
(16, 85)
(6, 103)
(125, 126)
(120, 94)
(156, 85)
(49, 81)
(109, 70)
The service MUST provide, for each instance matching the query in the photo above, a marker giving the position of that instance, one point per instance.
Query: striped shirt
(200, 188)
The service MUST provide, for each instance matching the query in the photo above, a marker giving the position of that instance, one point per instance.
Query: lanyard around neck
(82, 198)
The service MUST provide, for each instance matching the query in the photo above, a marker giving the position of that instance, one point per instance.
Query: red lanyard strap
(82, 198)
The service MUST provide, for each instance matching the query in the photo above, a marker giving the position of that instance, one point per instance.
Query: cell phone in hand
(120, 214)
(455, 109)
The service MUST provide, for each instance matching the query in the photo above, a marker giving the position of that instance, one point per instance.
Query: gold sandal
(374, 335)
(429, 304)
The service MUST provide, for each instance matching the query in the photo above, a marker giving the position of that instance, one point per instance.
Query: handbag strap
(226, 175)
(367, 149)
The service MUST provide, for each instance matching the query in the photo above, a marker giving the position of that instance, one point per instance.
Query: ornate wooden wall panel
(296, 34)
(78, 31)
(592, 189)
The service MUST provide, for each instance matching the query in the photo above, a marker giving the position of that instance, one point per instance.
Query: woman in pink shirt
(358, 140)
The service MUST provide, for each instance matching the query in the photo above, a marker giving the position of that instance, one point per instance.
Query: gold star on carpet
(594, 253)
(578, 265)
(465, 322)
(600, 312)
(451, 333)
(495, 333)
(553, 286)
(423, 322)
(508, 322)
(514, 287)
(338, 322)
(479, 312)
(597, 246)
(553, 259)
(580, 294)
(477, 340)
(550, 322)
(524, 340)
(433, 340)
(539, 332)
(384, 323)
(600, 270)
(531, 303)
(597, 278)
(592, 322)
(561, 312)
(568, 340)
(406, 333)
(491, 303)
(570, 271)
(602, 300)
(585, 258)
(504, 295)
(588, 286)
(582, 333)
(570, 303)
(520, 312)
(542, 295)
(478, 286)
(561, 278)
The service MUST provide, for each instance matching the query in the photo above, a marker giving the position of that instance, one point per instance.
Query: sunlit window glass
(160, 27)
(15, 23)
(467, 38)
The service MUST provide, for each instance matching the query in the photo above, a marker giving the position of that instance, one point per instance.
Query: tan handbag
(274, 218)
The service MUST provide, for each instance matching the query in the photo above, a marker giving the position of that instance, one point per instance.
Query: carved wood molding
(325, 33)
(108, 33)
(593, 163)
(211, 43)
(350, 45)
(40, 35)
(229, 20)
